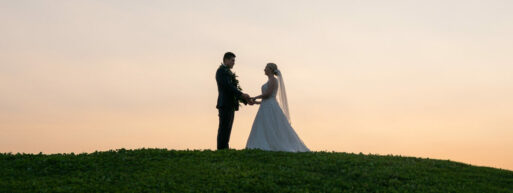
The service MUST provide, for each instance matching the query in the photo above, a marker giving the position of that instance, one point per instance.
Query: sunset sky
(414, 78)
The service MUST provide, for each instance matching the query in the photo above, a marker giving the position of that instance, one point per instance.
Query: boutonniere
(235, 81)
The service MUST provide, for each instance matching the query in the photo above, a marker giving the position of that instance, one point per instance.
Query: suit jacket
(229, 94)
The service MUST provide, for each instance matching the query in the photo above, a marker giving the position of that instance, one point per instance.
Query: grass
(162, 170)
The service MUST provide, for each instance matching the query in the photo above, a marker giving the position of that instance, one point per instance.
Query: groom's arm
(226, 83)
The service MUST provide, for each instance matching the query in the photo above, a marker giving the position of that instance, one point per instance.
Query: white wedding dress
(271, 129)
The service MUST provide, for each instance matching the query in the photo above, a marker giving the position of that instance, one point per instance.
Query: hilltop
(162, 170)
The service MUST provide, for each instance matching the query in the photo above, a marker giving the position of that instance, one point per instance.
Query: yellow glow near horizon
(426, 79)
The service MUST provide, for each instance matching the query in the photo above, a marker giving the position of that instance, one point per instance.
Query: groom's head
(229, 59)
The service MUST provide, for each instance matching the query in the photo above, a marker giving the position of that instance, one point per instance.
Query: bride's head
(271, 69)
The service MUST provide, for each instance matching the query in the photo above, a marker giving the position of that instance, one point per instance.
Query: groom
(228, 99)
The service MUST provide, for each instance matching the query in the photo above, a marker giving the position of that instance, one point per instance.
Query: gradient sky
(425, 79)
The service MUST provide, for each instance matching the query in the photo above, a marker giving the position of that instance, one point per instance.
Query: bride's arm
(267, 93)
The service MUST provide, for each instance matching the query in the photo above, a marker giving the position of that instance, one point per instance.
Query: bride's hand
(255, 101)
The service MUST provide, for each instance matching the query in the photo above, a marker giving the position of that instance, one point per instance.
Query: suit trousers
(225, 127)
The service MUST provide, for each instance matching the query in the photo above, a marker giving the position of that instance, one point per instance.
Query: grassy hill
(161, 170)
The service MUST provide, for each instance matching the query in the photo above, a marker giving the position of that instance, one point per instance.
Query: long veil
(282, 96)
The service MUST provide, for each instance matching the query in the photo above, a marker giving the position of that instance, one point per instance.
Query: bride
(271, 129)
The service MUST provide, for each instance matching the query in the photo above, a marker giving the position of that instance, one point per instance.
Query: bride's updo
(273, 67)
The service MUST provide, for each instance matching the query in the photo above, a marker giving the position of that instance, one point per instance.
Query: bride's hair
(273, 67)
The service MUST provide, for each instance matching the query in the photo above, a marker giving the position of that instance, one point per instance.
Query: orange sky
(431, 79)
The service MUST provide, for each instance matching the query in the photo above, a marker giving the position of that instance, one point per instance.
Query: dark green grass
(161, 170)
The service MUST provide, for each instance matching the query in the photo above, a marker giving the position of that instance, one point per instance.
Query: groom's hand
(251, 101)
(245, 96)
(248, 99)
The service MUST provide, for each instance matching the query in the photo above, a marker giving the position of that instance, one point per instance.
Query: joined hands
(253, 101)
(250, 100)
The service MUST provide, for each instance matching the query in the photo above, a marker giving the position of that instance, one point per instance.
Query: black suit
(227, 104)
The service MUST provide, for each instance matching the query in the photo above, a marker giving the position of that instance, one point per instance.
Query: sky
(430, 79)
